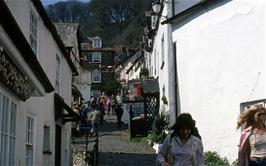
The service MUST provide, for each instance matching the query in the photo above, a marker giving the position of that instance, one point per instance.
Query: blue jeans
(257, 163)
(95, 127)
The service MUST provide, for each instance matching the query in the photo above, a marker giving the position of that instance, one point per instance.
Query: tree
(111, 86)
(115, 21)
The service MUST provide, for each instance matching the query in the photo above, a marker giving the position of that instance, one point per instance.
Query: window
(29, 141)
(33, 32)
(57, 76)
(245, 105)
(8, 111)
(46, 140)
(96, 93)
(96, 43)
(96, 57)
(96, 76)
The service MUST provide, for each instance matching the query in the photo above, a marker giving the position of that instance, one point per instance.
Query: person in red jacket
(252, 146)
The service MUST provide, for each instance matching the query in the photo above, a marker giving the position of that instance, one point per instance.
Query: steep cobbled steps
(115, 148)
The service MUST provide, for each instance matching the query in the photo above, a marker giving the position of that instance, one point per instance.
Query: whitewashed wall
(221, 63)
(163, 45)
(42, 108)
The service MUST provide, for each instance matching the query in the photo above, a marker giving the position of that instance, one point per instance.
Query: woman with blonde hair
(252, 146)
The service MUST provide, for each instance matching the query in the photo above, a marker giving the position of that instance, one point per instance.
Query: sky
(48, 2)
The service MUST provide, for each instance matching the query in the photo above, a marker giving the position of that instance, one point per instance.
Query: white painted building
(40, 134)
(216, 50)
(129, 69)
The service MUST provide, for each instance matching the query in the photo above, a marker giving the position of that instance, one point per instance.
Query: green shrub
(213, 159)
(159, 126)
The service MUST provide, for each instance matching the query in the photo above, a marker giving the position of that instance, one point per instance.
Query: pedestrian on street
(252, 146)
(182, 147)
(102, 111)
(108, 105)
(95, 120)
(113, 103)
(119, 112)
(118, 98)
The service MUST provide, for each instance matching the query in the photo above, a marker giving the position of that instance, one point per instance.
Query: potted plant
(159, 131)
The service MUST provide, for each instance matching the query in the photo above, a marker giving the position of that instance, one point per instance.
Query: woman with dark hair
(182, 148)
(252, 146)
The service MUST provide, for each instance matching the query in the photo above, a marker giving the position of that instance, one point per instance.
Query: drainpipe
(171, 69)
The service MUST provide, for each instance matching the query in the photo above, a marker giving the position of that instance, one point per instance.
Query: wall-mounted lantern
(156, 7)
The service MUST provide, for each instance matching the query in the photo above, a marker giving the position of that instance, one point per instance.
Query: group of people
(94, 110)
(183, 147)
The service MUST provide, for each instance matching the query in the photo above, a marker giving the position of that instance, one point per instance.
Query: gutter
(186, 12)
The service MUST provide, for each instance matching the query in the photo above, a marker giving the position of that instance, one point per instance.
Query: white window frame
(96, 43)
(7, 130)
(30, 139)
(247, 104)
(58, 74)
(96, 57)
(33, 39)
(96, 74)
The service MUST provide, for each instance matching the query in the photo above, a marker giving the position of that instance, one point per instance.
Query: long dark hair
(186, 120)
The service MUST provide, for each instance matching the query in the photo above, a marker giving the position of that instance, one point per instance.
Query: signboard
(137, 108)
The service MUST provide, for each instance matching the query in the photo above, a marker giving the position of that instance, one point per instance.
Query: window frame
(96, 43)
(244, 105)
(58, 74)
(96, 57)
(33, 32)
(94, 74)
(30, 144)
(8, 121)
(46, 139)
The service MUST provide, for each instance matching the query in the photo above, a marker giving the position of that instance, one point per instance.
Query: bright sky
(48, 2)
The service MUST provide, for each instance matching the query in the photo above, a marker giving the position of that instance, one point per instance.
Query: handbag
(170, 158)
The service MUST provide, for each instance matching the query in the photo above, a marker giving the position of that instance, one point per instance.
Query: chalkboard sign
(137, 108)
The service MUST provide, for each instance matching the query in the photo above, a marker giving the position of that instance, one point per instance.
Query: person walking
(119, 112)
(102, 111)
(95, 119)
(182, 148)
(252, 145)
(113, 103)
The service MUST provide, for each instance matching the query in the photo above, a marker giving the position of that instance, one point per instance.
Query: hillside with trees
(115, 21)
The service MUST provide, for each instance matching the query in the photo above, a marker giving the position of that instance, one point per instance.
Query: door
(58, 136)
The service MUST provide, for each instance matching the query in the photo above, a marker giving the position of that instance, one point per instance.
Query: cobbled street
(116, 149)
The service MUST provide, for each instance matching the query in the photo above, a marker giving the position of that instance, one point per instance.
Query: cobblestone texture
(115, 148)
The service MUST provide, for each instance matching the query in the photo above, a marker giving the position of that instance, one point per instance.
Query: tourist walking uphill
(95, 116)
(182, 148)
(252, 146)
(119, 112)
